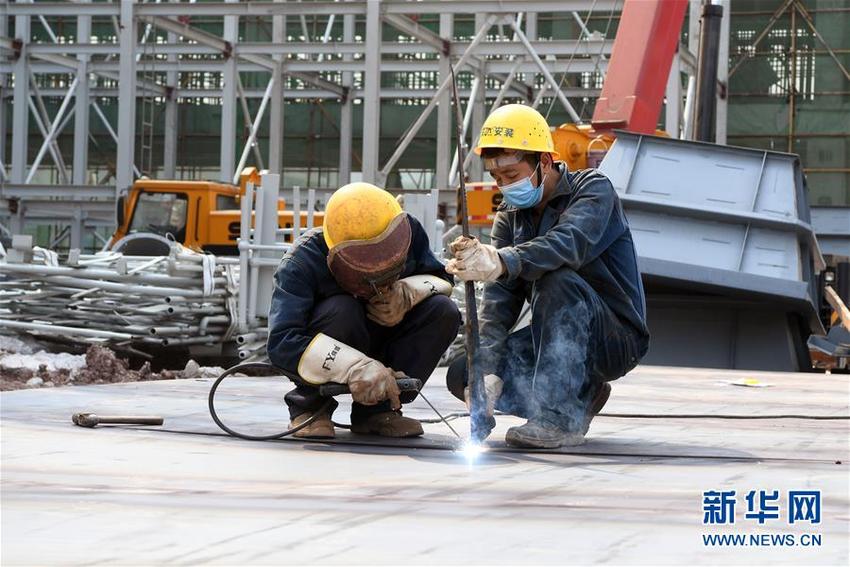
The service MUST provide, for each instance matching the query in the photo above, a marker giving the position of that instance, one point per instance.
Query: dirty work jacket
(582, 228)
(303, 279)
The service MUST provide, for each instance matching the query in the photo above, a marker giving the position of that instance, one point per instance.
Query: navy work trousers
(553, 368)
(414, 346)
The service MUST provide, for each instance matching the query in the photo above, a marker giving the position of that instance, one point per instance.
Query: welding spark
(471, 450)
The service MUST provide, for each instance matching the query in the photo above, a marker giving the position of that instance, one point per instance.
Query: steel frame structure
(155, 47)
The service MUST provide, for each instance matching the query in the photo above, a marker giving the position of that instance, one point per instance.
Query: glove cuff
(328, 360)
(421, 287)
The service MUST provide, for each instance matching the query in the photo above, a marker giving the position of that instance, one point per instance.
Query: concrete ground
(184, 493)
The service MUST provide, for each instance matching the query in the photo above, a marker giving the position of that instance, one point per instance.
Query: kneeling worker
(360, 301)
(562, 243)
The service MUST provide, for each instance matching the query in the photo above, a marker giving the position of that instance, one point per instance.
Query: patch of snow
(53, 361)
(14, 344)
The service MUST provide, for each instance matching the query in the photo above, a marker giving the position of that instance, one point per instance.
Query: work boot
(596, 405)
(321, 428)
(387, 424)
(542, 435)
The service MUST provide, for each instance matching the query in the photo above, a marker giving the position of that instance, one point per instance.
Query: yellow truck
(201, 215)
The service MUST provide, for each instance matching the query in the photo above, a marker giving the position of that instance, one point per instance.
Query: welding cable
(257, 366)
(321, 411)
(325, 408)
(459, 414)
(724, 416)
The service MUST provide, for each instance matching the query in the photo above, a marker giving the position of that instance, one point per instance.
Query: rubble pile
(99, 365)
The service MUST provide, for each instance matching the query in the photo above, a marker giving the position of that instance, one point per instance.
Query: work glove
(492, 388)
(328, 360)
(474, 261)
(374, 384)
(389, 308)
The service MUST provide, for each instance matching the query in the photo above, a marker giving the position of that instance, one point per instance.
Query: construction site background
(811, 119)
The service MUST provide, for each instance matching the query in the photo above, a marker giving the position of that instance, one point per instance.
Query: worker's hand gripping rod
(480, 425)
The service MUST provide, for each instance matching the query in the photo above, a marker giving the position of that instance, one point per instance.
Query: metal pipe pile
(136, 303)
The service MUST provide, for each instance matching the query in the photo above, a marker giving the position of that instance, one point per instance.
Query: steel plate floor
(184, 493)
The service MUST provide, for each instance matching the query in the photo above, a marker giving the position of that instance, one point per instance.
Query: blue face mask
(523, 194)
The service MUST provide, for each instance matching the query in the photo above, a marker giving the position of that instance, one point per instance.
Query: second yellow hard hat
(516, 127)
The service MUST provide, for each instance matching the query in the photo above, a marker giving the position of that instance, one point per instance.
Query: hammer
(91, 420)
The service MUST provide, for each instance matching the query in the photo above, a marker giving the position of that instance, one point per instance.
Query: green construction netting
(791, 70)
(758, 112)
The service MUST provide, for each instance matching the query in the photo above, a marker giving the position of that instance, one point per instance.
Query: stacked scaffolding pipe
(137, 302)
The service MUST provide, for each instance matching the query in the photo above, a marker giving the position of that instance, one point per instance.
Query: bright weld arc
(471, 450)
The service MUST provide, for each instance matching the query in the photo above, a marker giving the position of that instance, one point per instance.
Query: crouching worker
(561, 242)
(360, 301)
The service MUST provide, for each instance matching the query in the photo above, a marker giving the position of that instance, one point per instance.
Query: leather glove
(474, 261)
(492, 388)
(374, 384)
(388, 309)
(328, 360)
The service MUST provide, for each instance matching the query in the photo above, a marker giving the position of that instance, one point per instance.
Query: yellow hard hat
(516, 127)
(358, 211)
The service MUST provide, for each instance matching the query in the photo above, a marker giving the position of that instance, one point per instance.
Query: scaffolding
(146, 82)
(790, 87)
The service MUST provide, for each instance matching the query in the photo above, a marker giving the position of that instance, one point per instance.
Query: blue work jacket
(303, 279)
(582, 228)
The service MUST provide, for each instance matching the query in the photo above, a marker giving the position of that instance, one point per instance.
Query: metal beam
(551, 80)
(471, 104)
(54, 130)
(371, 98)
(54, 63)
(20, 114)
(308, 93)
(478, 104)
(226, 47)
(4, 85)
(423, 116)
(320, 8)
(227, 154)
(444, 111)
(587, 48)
(496, 104)
(42, 121)
(40, 192)
(722, 104)
(246, 120)
(250, 144)
(346, 111)
(673, 100)
(496, 68)
(276, 112)
(126, 99)
(170, 123)
(81, 106)
(414, 30)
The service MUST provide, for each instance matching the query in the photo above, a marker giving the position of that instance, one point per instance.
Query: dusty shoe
(321, 428)
(540, 435)
(387, 424)
(596, 405)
